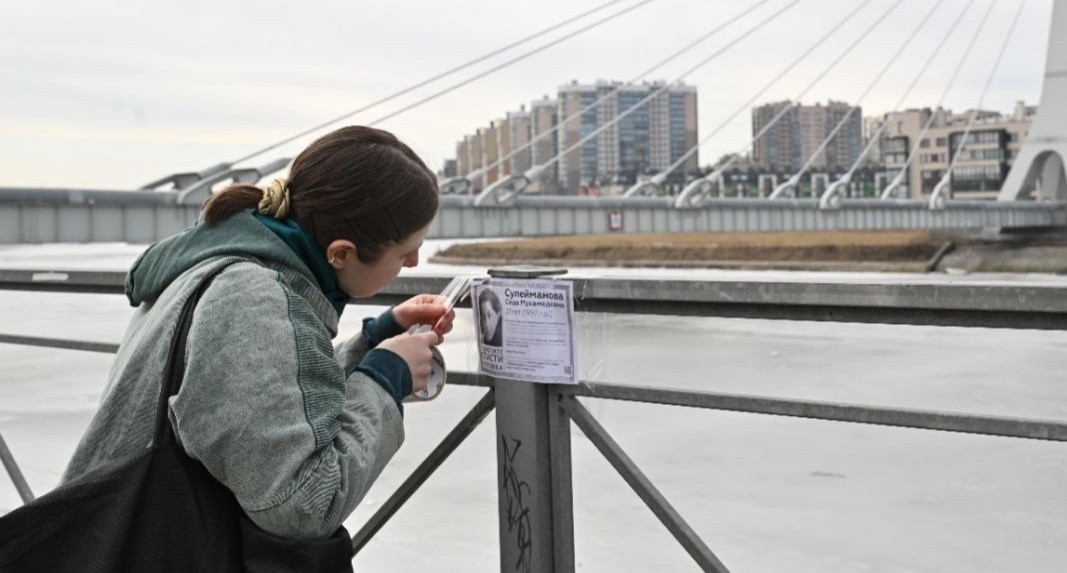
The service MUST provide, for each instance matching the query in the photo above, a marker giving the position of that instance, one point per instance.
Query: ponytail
(229, 201)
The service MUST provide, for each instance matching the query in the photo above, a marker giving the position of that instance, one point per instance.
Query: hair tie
(275, 201)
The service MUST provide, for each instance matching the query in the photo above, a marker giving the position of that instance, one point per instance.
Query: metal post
(16, 474)
(559, 439)
(536, 521)
(533, 470)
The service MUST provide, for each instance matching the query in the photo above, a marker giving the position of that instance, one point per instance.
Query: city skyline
(99, 99)
(635, 129)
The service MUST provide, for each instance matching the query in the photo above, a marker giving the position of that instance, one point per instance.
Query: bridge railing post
(534, 479)
(533, 441)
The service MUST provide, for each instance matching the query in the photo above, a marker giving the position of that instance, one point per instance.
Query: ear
(340, 252)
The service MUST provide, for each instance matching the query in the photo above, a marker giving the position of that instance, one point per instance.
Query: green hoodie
(297, 429)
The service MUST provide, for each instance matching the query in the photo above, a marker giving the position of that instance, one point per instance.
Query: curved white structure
(1040, 163)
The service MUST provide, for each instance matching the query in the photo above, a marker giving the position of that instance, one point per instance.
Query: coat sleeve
(352, 351)
(269, 411)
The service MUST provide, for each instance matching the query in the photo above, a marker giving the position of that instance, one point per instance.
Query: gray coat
(270, 408)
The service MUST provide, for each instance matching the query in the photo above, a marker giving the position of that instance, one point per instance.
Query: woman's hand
(415, 350)
(425, 309)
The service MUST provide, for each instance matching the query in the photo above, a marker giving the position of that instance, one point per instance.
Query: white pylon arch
(1040, 163)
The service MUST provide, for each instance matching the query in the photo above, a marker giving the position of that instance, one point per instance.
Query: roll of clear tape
(456, 290)
(438, 374)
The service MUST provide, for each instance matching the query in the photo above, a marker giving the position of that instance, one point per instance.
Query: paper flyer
(525, 329)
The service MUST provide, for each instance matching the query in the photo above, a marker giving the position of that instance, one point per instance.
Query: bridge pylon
(1041, 159)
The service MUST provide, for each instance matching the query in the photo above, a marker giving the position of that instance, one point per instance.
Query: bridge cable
(427, 81)
(985, 89)
(519, 58)
(952, 80)
(782, 74)
(840, 124)
(482, 170)
(874, 139)
(667, 85)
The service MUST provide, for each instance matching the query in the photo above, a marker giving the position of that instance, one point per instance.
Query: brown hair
(357, 183)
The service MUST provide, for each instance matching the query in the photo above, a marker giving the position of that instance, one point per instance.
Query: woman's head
(489, 304)
(365, 197)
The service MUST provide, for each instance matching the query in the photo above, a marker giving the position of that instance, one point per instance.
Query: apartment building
(638, 137)
(985, 151)
(791, 141)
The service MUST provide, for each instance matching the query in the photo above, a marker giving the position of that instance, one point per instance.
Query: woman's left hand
(425, 309)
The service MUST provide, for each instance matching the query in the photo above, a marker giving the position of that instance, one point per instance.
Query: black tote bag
(158, 510)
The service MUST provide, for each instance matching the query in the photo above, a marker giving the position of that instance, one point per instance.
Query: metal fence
(533, 428)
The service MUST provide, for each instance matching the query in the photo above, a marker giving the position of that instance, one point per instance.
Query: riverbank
(867, 251)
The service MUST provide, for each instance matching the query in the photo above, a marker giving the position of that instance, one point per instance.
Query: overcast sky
(112, 94)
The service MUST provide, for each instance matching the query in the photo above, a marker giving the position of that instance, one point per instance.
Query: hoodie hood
(240, 235)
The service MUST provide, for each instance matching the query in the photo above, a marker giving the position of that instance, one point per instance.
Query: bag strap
(175, 369)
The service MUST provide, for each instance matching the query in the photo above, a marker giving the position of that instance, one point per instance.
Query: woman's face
(360, 280)
(489, 314)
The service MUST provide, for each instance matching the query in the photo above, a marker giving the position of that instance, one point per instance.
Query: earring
(332, 259)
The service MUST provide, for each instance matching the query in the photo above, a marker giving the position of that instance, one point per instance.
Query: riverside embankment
(866, 251)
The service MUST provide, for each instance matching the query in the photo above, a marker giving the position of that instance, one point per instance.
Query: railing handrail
(987, 304)
(754, 404)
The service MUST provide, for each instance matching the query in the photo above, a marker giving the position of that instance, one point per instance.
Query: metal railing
(533, 420)
(76, 216)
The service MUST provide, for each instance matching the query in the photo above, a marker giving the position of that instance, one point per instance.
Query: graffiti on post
(516, 497)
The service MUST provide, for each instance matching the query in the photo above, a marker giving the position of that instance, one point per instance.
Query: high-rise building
(681, 134)
(518, 134)
(475, 159)
(543, 119)
(462, 157)
(490, 147)
(578, 166)
(872, 130)
(990, 147)
(779, 148)
(648, 138)
(503, 146)
(792, 141)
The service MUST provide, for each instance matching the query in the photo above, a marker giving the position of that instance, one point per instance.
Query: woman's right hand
(415, 350)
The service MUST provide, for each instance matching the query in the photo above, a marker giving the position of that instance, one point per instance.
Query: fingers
(428, 299)
(427, 311)
(420, 376)
(430, 338)
(420, 371)
(444, 324)
(414, 349)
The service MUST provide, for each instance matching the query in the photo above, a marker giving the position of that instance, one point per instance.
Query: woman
(296, 429)
(489, 307)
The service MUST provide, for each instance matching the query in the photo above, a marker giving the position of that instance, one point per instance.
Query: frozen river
(766, 493)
